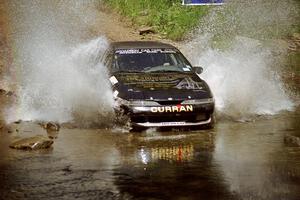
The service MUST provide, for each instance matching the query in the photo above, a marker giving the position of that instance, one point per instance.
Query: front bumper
(169, 115)
(172, 124)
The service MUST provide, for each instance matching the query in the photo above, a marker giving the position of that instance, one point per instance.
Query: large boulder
(50, 126)
(32, 143)
(291, 141)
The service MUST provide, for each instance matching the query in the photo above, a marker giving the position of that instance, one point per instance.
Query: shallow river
(233, 161)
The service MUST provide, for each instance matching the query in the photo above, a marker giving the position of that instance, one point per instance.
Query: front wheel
(135, 128)
(212, 123)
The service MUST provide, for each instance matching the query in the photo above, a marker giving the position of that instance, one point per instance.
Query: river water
(232, 161)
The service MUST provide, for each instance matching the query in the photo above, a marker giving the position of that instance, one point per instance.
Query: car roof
(140, 45)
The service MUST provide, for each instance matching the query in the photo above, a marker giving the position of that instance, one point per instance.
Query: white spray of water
(69, 86)
(59, 81)
(243, 81)
(243, 77)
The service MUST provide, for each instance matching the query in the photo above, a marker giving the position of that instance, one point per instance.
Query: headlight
(199, 101)
(143, 103)
(119, 101)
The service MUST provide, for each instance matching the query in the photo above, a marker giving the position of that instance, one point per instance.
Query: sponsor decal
(152, 78)
(171, 109)
(137, 51)
(113, 80)
(173, 123)
(115, 93)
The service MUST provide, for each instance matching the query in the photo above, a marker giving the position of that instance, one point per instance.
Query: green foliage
(168, 17)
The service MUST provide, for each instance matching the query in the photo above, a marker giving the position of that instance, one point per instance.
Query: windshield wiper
(162, 70)
(129, 71)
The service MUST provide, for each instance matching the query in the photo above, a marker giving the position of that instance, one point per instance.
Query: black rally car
(156, 86)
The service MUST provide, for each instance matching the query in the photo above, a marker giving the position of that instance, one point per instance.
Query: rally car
(156, 86)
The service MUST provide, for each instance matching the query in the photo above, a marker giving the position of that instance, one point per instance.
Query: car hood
(160, 86)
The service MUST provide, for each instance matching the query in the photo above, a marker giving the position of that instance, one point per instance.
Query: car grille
(164, 103)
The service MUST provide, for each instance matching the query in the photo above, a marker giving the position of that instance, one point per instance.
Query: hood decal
(161, 86)
(134, 78)
(160, 81)
(190, 84)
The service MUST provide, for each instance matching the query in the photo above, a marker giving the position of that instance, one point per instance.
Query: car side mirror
(198, 69)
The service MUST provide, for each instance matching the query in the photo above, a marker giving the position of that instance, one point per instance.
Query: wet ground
(233, 161)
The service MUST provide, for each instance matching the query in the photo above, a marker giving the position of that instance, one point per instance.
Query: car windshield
(150, 60)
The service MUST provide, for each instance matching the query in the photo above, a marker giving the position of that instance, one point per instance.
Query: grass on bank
(168, 17)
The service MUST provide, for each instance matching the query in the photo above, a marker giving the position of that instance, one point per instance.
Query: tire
(212, 123)
(135, 128)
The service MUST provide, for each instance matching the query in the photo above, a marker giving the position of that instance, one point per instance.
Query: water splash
(59, 80)
(243, 81)
(70, 87)
(232, 45)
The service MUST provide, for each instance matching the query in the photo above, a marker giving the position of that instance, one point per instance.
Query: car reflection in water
(165, 168)
(181, 153)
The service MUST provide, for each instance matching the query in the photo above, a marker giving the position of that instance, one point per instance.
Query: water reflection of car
(156, 86)
(180, 153)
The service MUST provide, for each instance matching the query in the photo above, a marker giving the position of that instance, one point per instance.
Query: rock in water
(32, 143)
(52, 134)
(2, 91)
(146, 30)
(18, 122)
(1, 124)
(7, 93)
(50, 126)
(291, 141)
